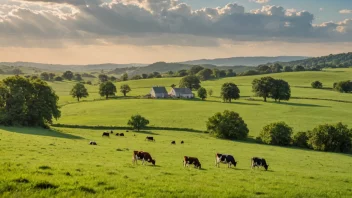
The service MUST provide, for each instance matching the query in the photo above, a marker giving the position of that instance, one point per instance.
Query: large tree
(262, 87)
(107, 89)
(79, 91)
(229, 91)
(27, 102)
(280, 90)
(125, 89)
(191, 82)
(205, 74)
(137, 122)
(67, 75)
(202, 93)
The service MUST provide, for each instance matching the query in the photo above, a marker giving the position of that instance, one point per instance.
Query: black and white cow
(257, 162)
(225, 159)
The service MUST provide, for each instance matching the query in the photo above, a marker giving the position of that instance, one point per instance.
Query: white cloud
(321, 9)
(345, 11)
(260, 1)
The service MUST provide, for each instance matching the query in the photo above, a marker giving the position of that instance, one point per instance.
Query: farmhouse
(181, 93)
(158, 92)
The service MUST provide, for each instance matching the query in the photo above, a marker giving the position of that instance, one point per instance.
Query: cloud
(321, 9)
(345, 11)
(156, 22)
(260, 1)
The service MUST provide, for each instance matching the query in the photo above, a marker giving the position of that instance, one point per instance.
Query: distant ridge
(246, 61)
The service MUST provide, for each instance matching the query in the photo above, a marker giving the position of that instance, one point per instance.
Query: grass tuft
(44, 167)
(45, 185)
(87, 189)
(21, 180)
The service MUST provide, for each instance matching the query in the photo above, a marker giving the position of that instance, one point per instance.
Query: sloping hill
(336, 60)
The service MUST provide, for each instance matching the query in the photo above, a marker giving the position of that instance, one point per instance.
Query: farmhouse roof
(159, 90)
(183, 91)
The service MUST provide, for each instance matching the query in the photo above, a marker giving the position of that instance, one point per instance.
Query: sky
(147, 31)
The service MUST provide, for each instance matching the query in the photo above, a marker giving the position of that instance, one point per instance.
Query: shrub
(278, 133)
(335, 138)
(227, 125)
(343, 86)
(317, 85)
(58, 78)
(300, 139)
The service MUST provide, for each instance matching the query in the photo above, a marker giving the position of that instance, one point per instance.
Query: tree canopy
(202, 93)
(229, 91)
(191, 82)
(205, 74)
(107, 89)
(124, 77)
(137, 122)
(103, 78)
(278, 133)
(195, 69)
(280, 90)
(124, 89)
(262, 87)
(79, 91)
(68, 75)
(317, 85)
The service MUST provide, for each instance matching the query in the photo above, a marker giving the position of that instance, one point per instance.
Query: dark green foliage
(317, 85)
(44, 76)
(137, 77)
(79, 91)
(262, 87)
(45, 185)
(103, 78)
(58, 78)
(300, 139)
(138, 122)
(78, 77)
(191, 82)
(87, 190)
(51, 76)
(144, 76)
(89, 82)
(229, 91)
(44, 167)
(227, 125)
(67, 75)
(328, 137)
(288, 69)
(230, 73)
(27, 102)
(280, 90)
(173, 86)
(195, 69)
(21, 180)
(343, 86)
(216, 73)
(125, 89)
(107, 89)
(278, 133)
(16, 71)
(182, 73)
(204, 74)
(202, 93)
(124, 77)
(249, 73)
(222, 74)
(210, 92)
(299, 68)
(113, 78)
(86, 75)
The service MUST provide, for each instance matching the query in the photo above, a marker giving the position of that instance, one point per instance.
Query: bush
(278, 133)
(317, 85)
(300, 139)
(227, 125)
(335, 138)
(343, 86)
(58, 78)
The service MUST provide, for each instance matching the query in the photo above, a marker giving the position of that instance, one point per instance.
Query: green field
(63, 157)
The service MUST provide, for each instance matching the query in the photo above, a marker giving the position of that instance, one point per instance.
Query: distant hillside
(248, 61)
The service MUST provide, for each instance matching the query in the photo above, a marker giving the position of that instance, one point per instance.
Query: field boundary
(125, 128)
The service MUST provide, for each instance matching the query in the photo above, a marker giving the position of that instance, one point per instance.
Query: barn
(158, 92)
(181, 93)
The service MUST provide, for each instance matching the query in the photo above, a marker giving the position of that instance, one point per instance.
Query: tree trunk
(78, 99)
(230, 100)
(124, 94)
(107, 96)
(264, 99)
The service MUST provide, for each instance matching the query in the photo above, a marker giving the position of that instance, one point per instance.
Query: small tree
(299, 68)
(229, 91)
(205, 74)
(144, 76)
(191, 82)
(343, 86)
(107, 89)
(113, 78)
(300, 139)
(227, 125)
(44, 76)
(78, 77)
(195, 69)
(125, 89)
(67, 75)
(288, 69)
(210, 92)
(124, 77)
(317, 85)
(280, 90)
(230, 73)
(79, 91)
(51, 76)
(137, 122)
(103, 78)
(278, 133)
(262, 87)
(202, 93)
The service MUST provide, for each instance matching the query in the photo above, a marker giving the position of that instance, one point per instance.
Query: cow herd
(219, 158)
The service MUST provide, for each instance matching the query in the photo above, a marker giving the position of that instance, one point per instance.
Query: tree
(67, 75)
(300, 139)
(230, 73)
(16, 71)
(44, 76)
(278, 133)
(222, 74)
(191, 82)
(136, 77)
(216, 73)
(170, 73)
(79, 91)
(195, 69)
(124, 77)
(144, 76)
(299, 68)
(204, 74)
(107, 89)
(288, 69)
(58, 78)
(328, 137)
(182, 73)
(343, 86)
(173, 86)
(229, 91)
(276, 68)
(202, 93)
(78, 77)
(51, 76)
(280, 90)
(151, 75)
(262, 87)
(89, 82)
(125, 89)
(210, 92)
(113, 78)
(137, 122)
(227, 125)
(103, 78)
(317, 85)
(157, 75)
(27, 102)
(264, 69)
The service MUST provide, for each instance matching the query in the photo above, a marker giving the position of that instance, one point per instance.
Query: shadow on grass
(40, 132)
(234, 102)
(146, 132)
(297, 104)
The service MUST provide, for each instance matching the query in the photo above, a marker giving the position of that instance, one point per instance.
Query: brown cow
(191, 160)
(143, 156)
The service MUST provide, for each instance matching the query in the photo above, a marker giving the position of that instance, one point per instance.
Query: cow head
(235, 163)
(218, 155)
(199, 166)
(266, 166)
(153, 162)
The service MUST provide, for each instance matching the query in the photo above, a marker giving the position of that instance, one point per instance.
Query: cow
(144, 156)
(225, 159)
(92, 143)
(191, 160)
(122, 134)
(257, 162)
(111, 132)
(173, 142)
(106, 134)
(150, 138)
(127, 131)
(182, 142)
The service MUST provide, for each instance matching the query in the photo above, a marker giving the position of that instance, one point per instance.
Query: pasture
(32, 158)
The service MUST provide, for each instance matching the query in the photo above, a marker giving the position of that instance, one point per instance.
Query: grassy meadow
(61, 163)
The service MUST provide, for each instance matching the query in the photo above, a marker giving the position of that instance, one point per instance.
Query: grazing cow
(92, 143)
(117, 134)
(173, 142)
(111, 132)
(257, 162)
(127, 131)
(182, 142)
(122, 134)
(106, 134)
(191, 160)
(225, 159)
(150, 138)
(144, 156)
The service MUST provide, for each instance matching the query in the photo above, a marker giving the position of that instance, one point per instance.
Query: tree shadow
(146, 132)
(233, 102)
(40, 132)
(297, 104)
